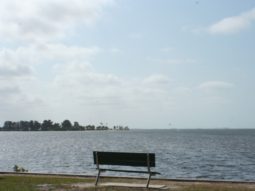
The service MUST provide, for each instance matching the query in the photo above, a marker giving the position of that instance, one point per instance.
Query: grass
(58, 183)
(34, 183)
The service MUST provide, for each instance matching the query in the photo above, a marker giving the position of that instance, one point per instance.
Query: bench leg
(148, 181)
(98, 175)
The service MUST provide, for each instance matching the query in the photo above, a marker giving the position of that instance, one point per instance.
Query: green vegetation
(34, 183)
(48, 125)
(57, 183)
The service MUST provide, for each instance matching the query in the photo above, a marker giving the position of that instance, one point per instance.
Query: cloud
(22, 61)
(157, 79)
(14, 70)
(96, 88)
(174, 61)
(83, 93)
(14, 64)
(7, 90)
(46, 19)
(31, 32)
(212, 86)
(81, 75)
(26, 75)
(233, 24)
(68, 84)
(64, 53)
(214, 93)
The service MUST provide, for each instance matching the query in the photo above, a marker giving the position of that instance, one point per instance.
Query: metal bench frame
(118, 158)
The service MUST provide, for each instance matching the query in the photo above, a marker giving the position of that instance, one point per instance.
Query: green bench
(125, 159)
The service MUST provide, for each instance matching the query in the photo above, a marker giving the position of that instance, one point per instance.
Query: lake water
(203, 154)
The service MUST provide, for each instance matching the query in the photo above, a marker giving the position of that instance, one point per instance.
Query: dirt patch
(44, 187)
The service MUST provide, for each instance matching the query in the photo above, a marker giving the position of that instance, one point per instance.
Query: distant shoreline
(48, 125)
(110, 129)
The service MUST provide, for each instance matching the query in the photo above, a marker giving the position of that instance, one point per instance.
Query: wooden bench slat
(130, 171)
(124, 159)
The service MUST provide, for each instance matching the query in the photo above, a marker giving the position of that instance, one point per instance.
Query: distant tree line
(48, 125)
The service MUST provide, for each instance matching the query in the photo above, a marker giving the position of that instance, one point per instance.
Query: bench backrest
(124, 159)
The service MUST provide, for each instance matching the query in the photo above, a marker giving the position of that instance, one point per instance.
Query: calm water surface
(205, 154)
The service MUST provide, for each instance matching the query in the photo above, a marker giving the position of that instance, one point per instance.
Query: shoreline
(67, 182)
(126, 177)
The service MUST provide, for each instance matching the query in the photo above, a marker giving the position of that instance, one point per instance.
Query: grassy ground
(17, 182)
(34, 183)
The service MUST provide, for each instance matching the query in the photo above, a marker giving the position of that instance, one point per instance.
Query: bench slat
(124, 158)
(129, 171)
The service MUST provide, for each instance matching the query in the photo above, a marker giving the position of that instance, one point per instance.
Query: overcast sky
(145, 64)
